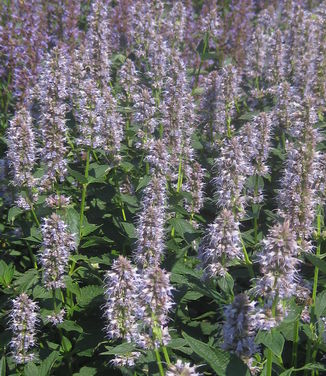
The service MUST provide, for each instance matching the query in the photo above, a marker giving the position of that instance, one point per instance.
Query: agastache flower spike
(23, 320)
(182, 369)
(220, 245)
(278, 263)
(21, 148)
(299, 192)
(155, 302)
(232, 169)
(56, 246)
(121, 293)
(239, 329)
(52, 95)
(150, 227)
(195, 186)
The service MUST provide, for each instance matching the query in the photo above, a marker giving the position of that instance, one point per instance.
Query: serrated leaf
(13, 213)
(130, 229)
(288, 372)
(98, 171)
(72, 218)
(26, 280)
(88, 228)
(316, 261)
(86, 371)
(3, 366)
(273, 340)
(143, 182)
(182, 226)
(78, 176)
(124, 348)
(220, 361)
(66, 344)
(320, 306)
(88, 294)
(48, 363)
(31, 370)
(70, 326)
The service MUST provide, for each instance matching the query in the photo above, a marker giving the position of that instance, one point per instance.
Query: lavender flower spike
(121, 296)
(150, 229)
(278, 263)
(182, 369)
(221, 244)
(155, 302)
(57, 244)
(239, 327)
(21, 148)
(23, 319)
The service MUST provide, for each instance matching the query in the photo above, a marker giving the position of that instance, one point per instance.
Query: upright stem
(166, 355)
(83, 199)
(256, 216)
(269, 366)
(295, 343)
(247, 259)
(159, 362)
(315, 286)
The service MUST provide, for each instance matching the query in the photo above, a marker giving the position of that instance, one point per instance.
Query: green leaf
(48, 363)
(88, 294)
(66, 344)
(220, 361)
(273, 340)
(31, 370)
(98, 171)
(143, 182)
(288, 372)
(3, 366)
(130, 229)
(86, 371)
(88, 228)
(320, 306)
(71, 326)
(72, 218)
(13, 213)
(26, 280)
(182, 226)
(316, 261)
(124, 348)
(78, 176)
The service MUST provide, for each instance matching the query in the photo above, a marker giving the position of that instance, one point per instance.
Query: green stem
(269, 367)
(201, 59)
(32, 256)
(166, 355)
(295, 343)
(35, 216)
(315, 286)
(247, 259)
(83, 199)
(159, 362)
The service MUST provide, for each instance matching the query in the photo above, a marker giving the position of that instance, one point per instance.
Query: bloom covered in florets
(21, 148)
(232, 169)
(150, 228)
(182, 369)
(52, 95)
(155, 301)
(23, 320)
(56, 318)
(278, 263)
(239, 329)
(56, 246)
(121, 300)
(220, 245)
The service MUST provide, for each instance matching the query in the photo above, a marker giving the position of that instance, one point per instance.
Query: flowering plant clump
(162, 187)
